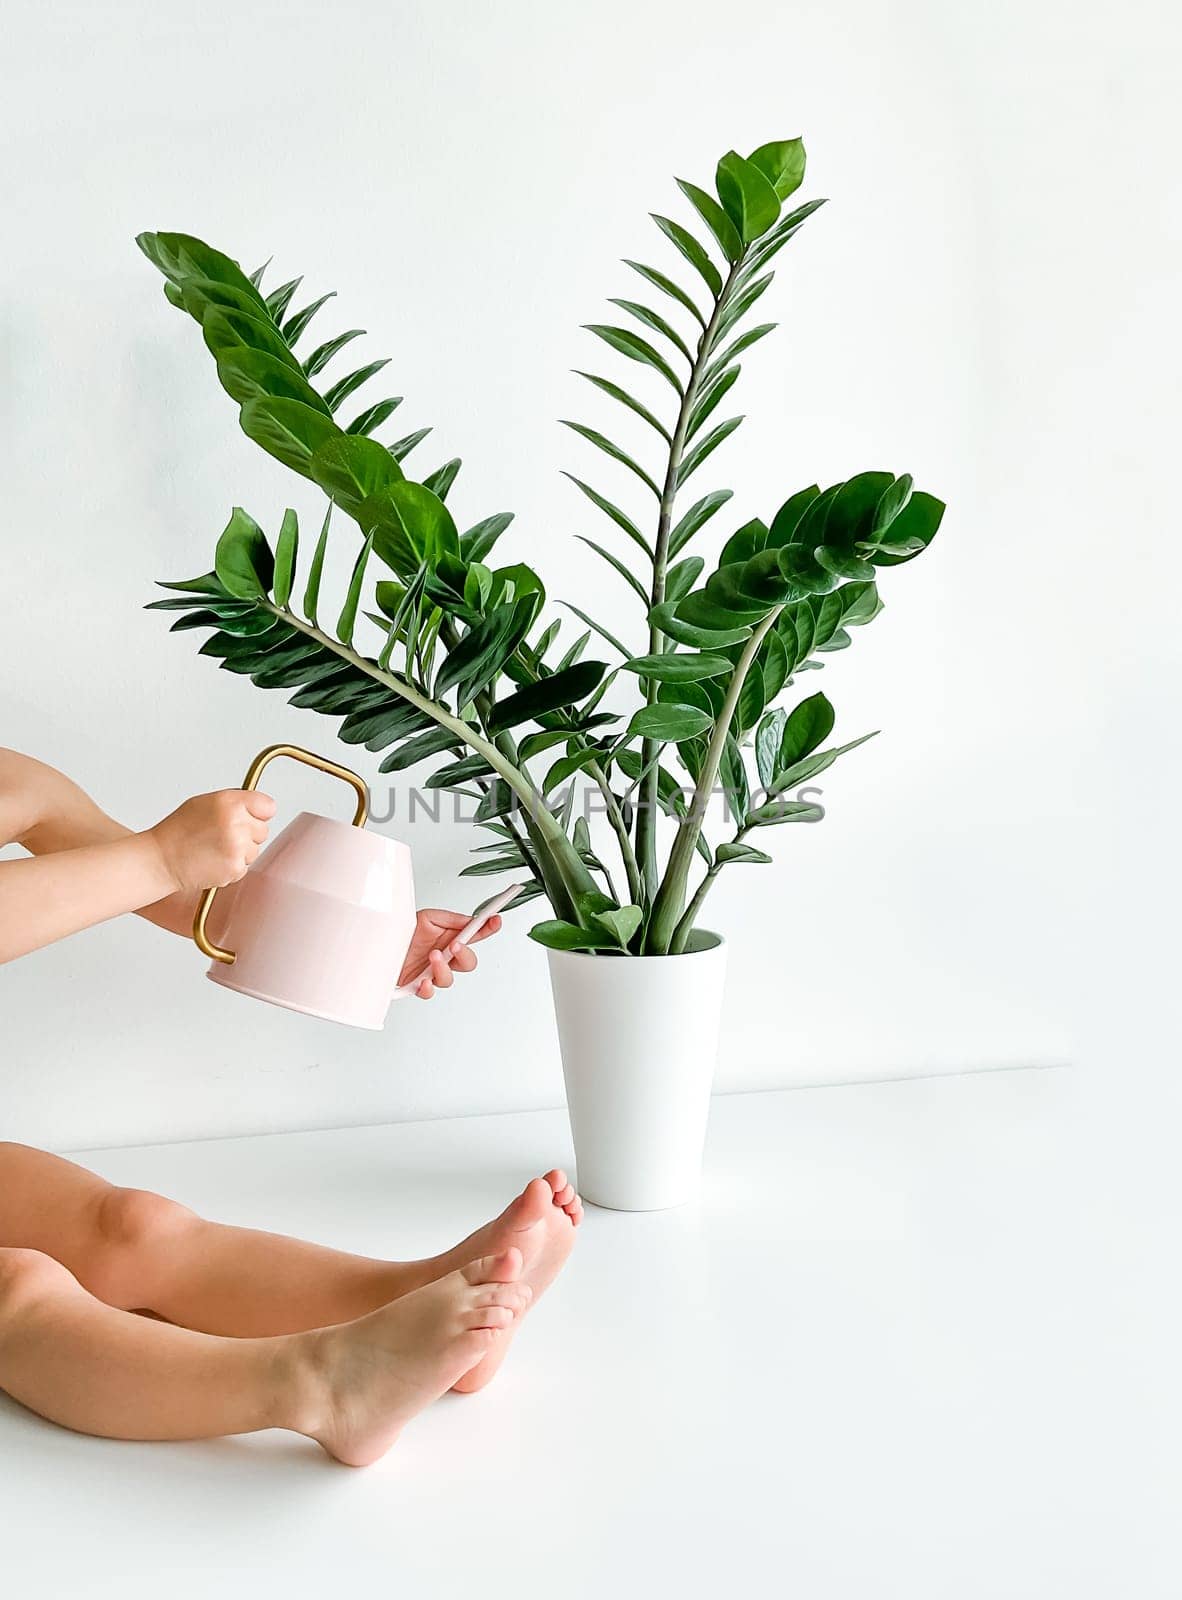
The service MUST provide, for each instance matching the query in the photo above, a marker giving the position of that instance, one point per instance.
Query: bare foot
(541, 1223)
(377, 1373)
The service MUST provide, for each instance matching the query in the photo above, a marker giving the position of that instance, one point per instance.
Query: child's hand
(212, 839)
(433, 947)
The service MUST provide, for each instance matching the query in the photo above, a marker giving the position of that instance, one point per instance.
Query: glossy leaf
(324, 353)
(668, 721)
(618, 566)
(243, 562)
(610, 449)
(675, 667)
(653, 319)
(692, 250)
(715, 218)
(564, 688)
(286, 554)
(558, 935)
(782, 163)
(747, 196)
(705, 447)
(696, 518)
(348, 617)
(636, 349)
(312, 589)
(373, 416)
(620, 518)
(667, 286)
(625, 399)
(294, 327)
(287, 430)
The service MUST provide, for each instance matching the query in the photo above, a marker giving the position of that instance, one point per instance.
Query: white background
(988, 302)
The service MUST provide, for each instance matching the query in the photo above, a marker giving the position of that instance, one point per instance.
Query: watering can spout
(322, 921)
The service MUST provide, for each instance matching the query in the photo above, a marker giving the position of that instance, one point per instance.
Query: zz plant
(460, 667)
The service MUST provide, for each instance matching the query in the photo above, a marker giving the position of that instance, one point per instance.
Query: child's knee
(137, 1222)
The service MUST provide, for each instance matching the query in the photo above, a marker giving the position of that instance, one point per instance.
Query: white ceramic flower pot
(639, 1039)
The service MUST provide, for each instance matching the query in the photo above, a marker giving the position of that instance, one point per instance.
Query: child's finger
(259, 805)
(441, 974)
(493, 925)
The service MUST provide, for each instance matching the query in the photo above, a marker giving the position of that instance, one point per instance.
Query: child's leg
(99, 1370)
(138, 1251)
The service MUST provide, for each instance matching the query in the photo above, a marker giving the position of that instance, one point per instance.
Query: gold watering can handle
(254, 772)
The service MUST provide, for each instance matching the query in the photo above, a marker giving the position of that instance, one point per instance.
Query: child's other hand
(212, 839)
(434, 947)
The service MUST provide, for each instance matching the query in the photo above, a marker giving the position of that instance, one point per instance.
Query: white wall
(983, 304)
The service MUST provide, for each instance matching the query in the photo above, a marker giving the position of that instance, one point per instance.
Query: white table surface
(891, 1352)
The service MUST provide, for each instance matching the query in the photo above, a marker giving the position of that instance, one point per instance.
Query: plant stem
(564, 874)
(646, 813)
(616, 818)
(667, 908)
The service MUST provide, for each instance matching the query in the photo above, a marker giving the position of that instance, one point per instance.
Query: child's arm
(90, 868)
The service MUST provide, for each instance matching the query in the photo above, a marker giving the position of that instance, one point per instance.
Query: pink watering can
(323, 920)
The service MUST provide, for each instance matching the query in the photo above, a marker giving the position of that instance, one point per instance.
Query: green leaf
(249, 374)
(768, 739)
(288, 430)
(286, 551)
(782, 164)
(617, 516)
(613, 450)
(348, 617)
(352, 470)
(441, 480)
(696, 518)
(807, 726)
(324, 353)
(747, 196)
(810, 766)
(715, 218)
(672, 667)
(667, 286)
(618, 565)
(711, 398)
(692, 251)
(312, 590)
(705, 447)
(635, 348)
(653, 319)
(373, 416)
(597, 627)
(668, 722)
(299, 320)
(419, 748)
(666, 619)
(279, 299)
(421, 528)
(473, 766)
(620, 923)
(732, 851)
(625, 399)
(243, 561)
(344, 387)
(564, 688)
(557, 935)
(679, 580)
(777, 811)
(918, 521)
(482, 536)
(401, 448)
(566, 767)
